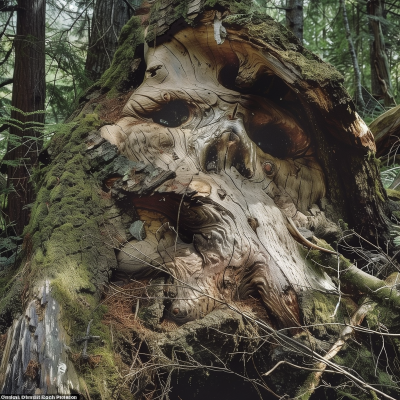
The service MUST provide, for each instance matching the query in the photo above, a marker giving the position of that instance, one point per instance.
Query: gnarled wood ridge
(224, 121)
(220, 159)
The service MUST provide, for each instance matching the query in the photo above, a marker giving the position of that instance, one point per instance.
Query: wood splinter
(302, 240)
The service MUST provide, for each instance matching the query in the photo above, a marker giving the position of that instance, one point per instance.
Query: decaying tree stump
(203, 188)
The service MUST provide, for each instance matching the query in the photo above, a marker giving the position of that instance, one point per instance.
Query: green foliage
(324, 35)
(388, 174)
(66, 77)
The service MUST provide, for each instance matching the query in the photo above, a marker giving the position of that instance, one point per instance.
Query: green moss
(361, 360)
(381, 315)
(378, 191)
(235, 7)
(131, 36)
(65, 232)
(264, 28)
(344, 226)
(393, 194)
(318, 309)
(181, 9)
(327, 260)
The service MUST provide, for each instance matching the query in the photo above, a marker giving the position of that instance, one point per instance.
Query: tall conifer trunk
(357, 75)
(380, 71)
(109, 16)
(28, 97)
(294, 18)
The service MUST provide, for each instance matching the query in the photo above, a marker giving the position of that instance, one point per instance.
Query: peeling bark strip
(35, 359)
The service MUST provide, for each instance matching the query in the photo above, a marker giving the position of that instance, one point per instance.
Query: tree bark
(380, 72)
(357, 75)
(294, 18)
(109, 16)
(27, 115)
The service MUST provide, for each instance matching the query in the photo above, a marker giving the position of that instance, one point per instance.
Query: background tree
(359, 96)
(109, 16)
(27, 115)
(380, 72)
(294, 18)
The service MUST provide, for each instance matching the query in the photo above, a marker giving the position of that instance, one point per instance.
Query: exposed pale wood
(35, 359)
(263, 178)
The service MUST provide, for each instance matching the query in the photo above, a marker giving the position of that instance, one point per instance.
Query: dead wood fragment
(312, 381)
(386, 130)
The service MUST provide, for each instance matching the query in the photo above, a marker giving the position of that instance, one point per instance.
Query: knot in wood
(176, 311)
(253, 222)
(166, 96)
(269, 168)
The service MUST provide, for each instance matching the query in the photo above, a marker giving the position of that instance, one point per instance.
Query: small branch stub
(86, 339)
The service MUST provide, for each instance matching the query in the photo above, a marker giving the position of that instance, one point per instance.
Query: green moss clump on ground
(359, 358)
(318, 310)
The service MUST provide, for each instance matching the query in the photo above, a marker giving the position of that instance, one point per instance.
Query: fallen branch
(375, 288)
(314, 378)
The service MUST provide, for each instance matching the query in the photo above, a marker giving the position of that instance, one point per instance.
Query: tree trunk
(380, 72)
(109, 16)
(357, 75)
(28, 109)
(188, 220)
(294, 18)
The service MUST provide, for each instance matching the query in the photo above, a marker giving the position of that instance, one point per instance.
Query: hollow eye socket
(273, 140)
(172, 114)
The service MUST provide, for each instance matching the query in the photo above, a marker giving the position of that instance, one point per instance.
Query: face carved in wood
(218, 164)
